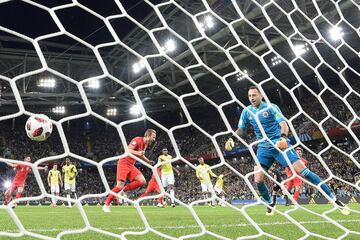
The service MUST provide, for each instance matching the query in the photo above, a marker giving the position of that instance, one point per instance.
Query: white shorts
(218, 190)
(206, 187)
(68, 186)
(168, 179)
(54, 188)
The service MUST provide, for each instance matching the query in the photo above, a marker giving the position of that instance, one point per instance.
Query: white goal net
(302, 55)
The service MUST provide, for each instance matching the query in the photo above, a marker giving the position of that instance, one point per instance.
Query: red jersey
(289, 172)
(21, 172)
(139, 145)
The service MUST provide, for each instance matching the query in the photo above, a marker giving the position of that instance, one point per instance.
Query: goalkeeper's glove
(229, 144)
(282, 143)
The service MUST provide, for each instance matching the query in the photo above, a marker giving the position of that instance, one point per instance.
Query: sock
(296, 195)
(172, 195)
(18, 195)
(53, 200)
(74, 194)
(315, 179)
(133, 185)
(274, 199)
(264, 191)
(8, 197)
(286, 199)
(160, 200)
(68, 197)
(223, 198)
(111, 197)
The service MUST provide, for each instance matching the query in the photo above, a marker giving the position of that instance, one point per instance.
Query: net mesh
(295, 37)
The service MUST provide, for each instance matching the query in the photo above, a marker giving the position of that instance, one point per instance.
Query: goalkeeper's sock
(172, 195)
(264, 191)
(133, 185)
(18, 195)
(111, 197)
(315, 179)
(296, 195)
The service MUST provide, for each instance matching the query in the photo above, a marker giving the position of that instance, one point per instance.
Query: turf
(179, 221)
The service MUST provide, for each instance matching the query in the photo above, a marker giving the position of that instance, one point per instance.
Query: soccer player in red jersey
(126, 167)
(18, 182)
(295, 182)
(153, 186)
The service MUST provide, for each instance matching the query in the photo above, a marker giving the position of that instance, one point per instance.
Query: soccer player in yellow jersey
(204, 174)
(167, 174)
(70, 173)
(54, 178)
(219, 188)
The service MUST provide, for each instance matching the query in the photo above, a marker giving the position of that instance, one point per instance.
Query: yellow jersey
(204, 172)
(54, 176)
(220, 183)
(166, 168)
(69, 172)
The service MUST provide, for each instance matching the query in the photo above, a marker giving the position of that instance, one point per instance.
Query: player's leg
(204, 191)
(288, 185)
(73, 190)
(19, 192)
(122, 172)
(53, 190)
(10, 192)
(171, 188)
(67, 192)
(211, 190)
(136, 180)
(164, 182)
(266, 160)
(297, 185)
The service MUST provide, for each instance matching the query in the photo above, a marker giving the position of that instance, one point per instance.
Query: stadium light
(169, 46)
(275, 60)
(46, 82)
(138, 66)
(7, 184)
(135, 110)
(93, 83)
(111, 112)
(239, 76)
(301, 49)
(336, 33)
(207, 24)
(58, 109)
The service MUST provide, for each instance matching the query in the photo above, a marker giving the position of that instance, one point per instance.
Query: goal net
(186, 66)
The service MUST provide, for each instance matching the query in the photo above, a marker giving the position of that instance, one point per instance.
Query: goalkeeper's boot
(106, 209)
(160, 205)
(343, 208)
(270, 211)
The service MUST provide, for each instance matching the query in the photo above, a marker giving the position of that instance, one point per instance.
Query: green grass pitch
(178, 221)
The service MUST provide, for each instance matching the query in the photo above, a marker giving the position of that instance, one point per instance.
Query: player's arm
(239, 131)
(198, 175)
(48, 178)
(139, 154)
(42, 168)
(177, 171)
(282, 143)
(227, 174)
(212, 173)
(13, 165)
(60, 179)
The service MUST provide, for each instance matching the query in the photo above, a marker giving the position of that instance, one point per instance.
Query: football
(38, 127)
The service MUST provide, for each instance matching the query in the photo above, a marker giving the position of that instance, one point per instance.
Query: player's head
(27, 159)
(299, 151)
(67, 161)
(150, 135)
(255, 96)
(55, 166)
(164, 151)
(201, 160)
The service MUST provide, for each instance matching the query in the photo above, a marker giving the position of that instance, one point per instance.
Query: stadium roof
(68, 57)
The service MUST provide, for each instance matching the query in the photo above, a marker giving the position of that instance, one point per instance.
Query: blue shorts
(267, 156)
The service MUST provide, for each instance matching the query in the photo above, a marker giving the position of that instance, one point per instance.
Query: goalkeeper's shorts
(267, 156)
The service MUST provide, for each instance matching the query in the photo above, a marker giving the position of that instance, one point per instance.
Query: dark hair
(254, 87)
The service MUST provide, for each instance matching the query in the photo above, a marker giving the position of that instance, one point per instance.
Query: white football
(38, 127)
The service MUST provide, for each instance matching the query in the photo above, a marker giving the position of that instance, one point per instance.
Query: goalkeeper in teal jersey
(276, 130)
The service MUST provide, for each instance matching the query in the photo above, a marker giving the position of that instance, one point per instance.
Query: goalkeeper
(276, 129)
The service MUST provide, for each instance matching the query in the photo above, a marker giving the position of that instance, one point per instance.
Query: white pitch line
(189, 226)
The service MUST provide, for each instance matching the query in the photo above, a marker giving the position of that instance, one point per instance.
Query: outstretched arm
(13, 165)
